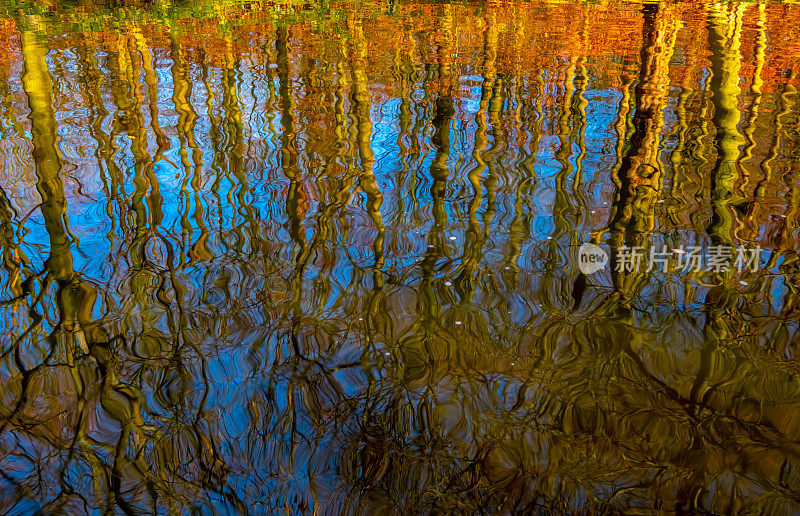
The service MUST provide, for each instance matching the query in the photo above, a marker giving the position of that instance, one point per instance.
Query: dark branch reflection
(261, 257)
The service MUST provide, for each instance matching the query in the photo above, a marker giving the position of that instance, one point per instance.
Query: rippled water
(279, 257)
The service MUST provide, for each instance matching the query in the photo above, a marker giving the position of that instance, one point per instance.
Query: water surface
(320, 258)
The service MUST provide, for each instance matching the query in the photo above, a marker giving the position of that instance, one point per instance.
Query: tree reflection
(321, 261)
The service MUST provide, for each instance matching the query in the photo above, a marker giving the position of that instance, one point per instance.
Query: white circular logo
(591, 258)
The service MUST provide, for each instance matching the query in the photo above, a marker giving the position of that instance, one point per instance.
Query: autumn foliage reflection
(258, 257)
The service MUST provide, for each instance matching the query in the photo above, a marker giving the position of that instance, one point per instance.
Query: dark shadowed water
(286, 258)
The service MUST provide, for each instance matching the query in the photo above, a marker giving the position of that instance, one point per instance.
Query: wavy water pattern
(262, 257)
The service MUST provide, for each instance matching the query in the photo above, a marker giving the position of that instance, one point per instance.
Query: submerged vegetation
(318, 257)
